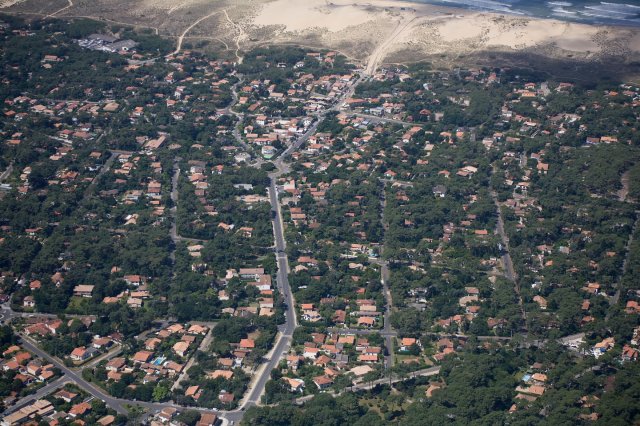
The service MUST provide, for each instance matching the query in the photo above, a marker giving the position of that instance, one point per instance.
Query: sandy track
(241, 35)
(189, 28)
(383, 48)
(386, 47)
(60, 10)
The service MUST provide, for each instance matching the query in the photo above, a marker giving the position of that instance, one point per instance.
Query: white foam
(561, 11)
(623, 5)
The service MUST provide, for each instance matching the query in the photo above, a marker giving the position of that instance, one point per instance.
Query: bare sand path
(60, 10)
(623, 192)
(381, 50)
(241, 35)
(386, 47)
(189, 28)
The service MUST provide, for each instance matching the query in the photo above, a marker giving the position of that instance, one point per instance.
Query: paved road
(297, 144)
(7, 314)
(282, 280)
(173, 232)
(506, 258)
(6, 173)
(279, 162)
(116, 404)
(284, 338)
(616, 297)
(203, 346)
(382, 119)
(283, 343)
(41, 393)
(362, 332)
(105, 168)
(240, 116)
(388, 331)
(432, 371)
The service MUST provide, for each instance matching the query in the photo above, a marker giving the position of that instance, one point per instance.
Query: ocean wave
(560, 11)
(608, 16)
(486, 5)
(587, 11)
(612, 12)
(622, 5)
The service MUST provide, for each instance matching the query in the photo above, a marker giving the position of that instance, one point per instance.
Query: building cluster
(52, 410)
(26, 368)
(158, 356)
(107, 43)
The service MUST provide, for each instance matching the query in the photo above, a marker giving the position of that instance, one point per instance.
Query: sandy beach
(430, 29)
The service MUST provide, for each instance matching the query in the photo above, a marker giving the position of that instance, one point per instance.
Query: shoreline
(435, 29)
(568, 16)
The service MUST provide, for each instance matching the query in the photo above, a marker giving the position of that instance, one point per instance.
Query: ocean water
(612, 12)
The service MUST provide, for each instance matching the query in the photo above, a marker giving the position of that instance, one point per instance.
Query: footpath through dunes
(381, 50)
(237, 39)
(51, 15)
(404, 29)
(189, 28)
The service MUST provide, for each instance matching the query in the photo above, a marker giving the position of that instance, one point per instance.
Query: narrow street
(184, 374)
(114, 403)
(6, 173)
(228, 110)
(115, 351)
(616, 297)
(507, 263)
(432, 371)
(173, 212)
(388, 332)
(39, 394)
(383, 119)
(103, 169)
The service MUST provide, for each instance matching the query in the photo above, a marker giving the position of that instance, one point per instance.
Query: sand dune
(295, 15)
(362, 29)
(436, 29)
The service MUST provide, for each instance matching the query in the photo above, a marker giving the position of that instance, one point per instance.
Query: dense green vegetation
(93, 140)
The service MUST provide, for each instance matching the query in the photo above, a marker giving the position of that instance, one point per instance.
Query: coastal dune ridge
(375, 32)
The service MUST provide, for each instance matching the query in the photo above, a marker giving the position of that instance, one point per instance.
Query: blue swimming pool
(158, 360)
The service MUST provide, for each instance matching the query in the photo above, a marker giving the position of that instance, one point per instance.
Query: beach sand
(430, 29)
(295, 15)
